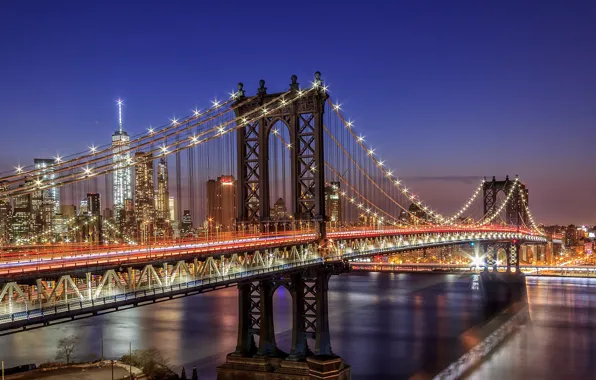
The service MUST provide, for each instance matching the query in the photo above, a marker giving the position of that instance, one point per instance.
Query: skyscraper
(163, 204)
(186, 222)
(221, 202)
(122, 189)
(144, 194)
(90, 218)
(51, 195)
(332, 202)
(22, 218)
(93, 204)
(172, 203)
(5, 218)
(84, 207)
(163, 194)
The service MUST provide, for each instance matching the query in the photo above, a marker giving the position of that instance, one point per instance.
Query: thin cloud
(459, 179)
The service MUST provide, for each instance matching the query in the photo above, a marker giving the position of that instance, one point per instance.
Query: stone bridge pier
(309, 290)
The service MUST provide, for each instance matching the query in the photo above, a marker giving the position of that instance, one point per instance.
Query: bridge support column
(490, 258)
(267, 344)
(310, 307)
(246, 320)
(517, 256)
(299, 349)
(513, 253)
(322, 336)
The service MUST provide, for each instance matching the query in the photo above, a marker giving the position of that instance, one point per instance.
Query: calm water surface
(384, 325)
(560, 341)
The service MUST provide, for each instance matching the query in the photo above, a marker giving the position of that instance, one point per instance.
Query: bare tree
(66, 347)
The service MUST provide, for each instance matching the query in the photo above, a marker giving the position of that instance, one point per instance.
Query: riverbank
(102, 370)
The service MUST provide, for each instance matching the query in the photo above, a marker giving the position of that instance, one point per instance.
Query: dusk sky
(441, 89)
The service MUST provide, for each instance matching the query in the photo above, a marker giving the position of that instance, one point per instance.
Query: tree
(183, 374)
(195, 375)
(66, 347)
(152, 362)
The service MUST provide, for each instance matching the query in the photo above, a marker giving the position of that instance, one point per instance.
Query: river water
(384, 325)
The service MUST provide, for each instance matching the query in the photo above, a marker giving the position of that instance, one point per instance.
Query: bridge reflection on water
(383, 324)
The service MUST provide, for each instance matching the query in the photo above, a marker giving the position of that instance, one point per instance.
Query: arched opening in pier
(501, 256)
(282, 318)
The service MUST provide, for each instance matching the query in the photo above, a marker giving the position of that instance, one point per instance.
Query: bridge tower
(515, 212)
(304, 119)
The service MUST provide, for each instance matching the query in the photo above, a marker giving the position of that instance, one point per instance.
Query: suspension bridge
(308, 195)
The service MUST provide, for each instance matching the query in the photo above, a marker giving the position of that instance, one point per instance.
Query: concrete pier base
(499, 290)
(313, 368)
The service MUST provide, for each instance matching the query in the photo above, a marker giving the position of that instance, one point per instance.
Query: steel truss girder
(70, 291)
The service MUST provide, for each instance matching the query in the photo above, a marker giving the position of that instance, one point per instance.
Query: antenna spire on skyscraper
(120, 114)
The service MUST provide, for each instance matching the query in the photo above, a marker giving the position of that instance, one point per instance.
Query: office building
(144, 195)
(89, 219)
(162, 204)
(122, 189)
(22, 218)
(172, 204)
(417, 215)
(50, 195)
(68, 211)
(186, 222)
(126, 220)
(333, 202)
(221, 202)
(279, 210)
(93, 204)
(5, 218)
(84, 207)
(108, 213)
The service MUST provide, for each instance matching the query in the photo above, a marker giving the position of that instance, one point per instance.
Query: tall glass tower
(52, 194)
(122, 189)
(163, 194)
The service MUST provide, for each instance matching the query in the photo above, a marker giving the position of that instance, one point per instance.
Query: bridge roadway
(533, 270)
(37, 292)
(66, 259)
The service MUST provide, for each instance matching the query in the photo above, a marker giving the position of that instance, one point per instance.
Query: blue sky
(456, 89)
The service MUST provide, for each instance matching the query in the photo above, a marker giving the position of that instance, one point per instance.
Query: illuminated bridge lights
(345, 245)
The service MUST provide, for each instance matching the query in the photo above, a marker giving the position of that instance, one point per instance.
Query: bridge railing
(32, 312)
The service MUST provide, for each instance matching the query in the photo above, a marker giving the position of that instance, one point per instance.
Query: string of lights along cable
(266, 163)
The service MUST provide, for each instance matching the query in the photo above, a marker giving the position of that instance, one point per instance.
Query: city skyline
(297, 190)
(483, 107)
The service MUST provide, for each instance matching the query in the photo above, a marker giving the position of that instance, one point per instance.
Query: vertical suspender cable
(178, 185)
